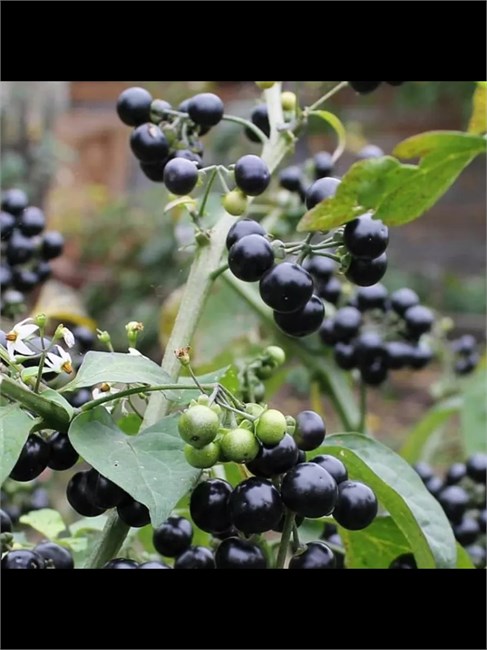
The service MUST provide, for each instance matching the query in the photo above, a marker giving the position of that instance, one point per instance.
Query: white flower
(134, 352)
(15, 338)
(105, 389)
(60, 361)
(68, 337)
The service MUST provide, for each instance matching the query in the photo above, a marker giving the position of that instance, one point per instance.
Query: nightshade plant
(225, 480)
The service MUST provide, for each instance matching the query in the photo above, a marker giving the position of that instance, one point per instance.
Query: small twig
(326, 96)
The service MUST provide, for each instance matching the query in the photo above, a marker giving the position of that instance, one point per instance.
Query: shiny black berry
(291, 178)
(259, 117)
(236, 553)
(5, 522)
(24, 279)
(7, 224)
(464, 345)
(32, 221)
(365, 272)
(250, 257)
(22, 559)
(323, 164)
(373, 297)
(374, 373)
(120, 563)
(418, 320)
(286, 287)
(209, 505)
(43, 270)
(62, 453)
(399, 354)
(321, 189)
(79, 496)
(369, 348)
(310, 430)
(186, 154)
(20, 249)
(421, 355)
(55, 555)
(477, 467)
(173, 536)
(196, 557)
(14, 201)
(356, 505)
(465, 365)
(424, 471)
(180, 176)
(402, 299)
(133, 513)
(347, 322)
(405, 561)
(252, 175)
(345, 355)
(271, 461)
(365, 237)
(327, 332)
(333, 466)
(32, 461)
(105, 493)
(154, 170)
(243, 228)
(434, 485)
(255, 506)
(321, 268)
(316, 555)
(331, 290)
(153, 564)
(309, 490)
(205, 109)
(133, 106)
(148, 143)
(454, 500)
(52, 245)
(466, 531)
(364, 87)
(304, 321)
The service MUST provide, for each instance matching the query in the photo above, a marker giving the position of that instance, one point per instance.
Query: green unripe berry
(198, 425)
(240, 445)
(246, 424)
(235, 203)
(288, 101)
(276, 355)
(264, 85)
(203, 399)
(291, 424)
(254, 409)
(259, 392)
(202, 458)
(264, 371)
(271, 427)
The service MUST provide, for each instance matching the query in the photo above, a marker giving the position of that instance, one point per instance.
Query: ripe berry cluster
(461, 493)
(377, 332)
(465, 350)
(26, 249)
(45, 555)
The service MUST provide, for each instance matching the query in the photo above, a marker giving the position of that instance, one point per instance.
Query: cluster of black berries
(461, 493)
(26, 249)
(18, 502)
(466, 354)
(377, 332)
(38, 453)
(45, 555)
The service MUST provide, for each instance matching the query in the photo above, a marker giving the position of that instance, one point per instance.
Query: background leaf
(473, 416)
(57, 398)
(401, 492)
(46, 521)
(396, 192)
(419, 435)
(98, 367)
(376, 546)
(15, 425)
(150, 466)
(337, 126)
(463, 558)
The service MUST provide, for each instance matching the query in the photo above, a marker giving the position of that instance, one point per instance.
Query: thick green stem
(53, 414)
(113, 536)
(345, 408)
(285, 538)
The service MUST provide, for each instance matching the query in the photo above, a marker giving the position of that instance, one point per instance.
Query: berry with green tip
(204, 457)
(239, 445)
(198, 425)
(271, 427)
(235, 203)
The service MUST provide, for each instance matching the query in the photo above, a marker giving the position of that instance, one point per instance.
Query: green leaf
(129, 424)
(473, 416)
(463, 558)
(46, 521)
(337, 126)
(376, 546)
(478, 120)
(150, 466)
(401, 492)
(87, 523)
(57, 398)
(398, 193)
(117, 367)
(419, 435)
(15, 425)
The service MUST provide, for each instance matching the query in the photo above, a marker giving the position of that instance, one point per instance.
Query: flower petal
(26, 330)
(21, 348)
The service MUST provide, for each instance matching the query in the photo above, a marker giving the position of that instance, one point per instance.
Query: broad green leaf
(401, 492)
(150, 466)
(46, 521)
(398, 193)
(337, 126)
(376, 546)
(15, 425)
(463, 558)
(419, 435)
(117, 367)
(473, 416)
(57, 398)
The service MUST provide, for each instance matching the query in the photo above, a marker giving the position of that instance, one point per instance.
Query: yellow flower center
(11, 336)
(67, 367)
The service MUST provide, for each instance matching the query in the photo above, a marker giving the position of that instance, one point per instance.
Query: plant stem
(296, 541)
(285, 537)
(327, 95)
(248, 125)
(363, 407)
(41, 361)
(53, 414)
(207, 191)
(113, 536)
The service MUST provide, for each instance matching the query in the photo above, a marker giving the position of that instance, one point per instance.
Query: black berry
(7, 224)
(133, 513)
(14, 201)
(148, 143)
(32, 461)
(333, 466)
(347, 322)
(180, 176)
(271, 461)
(259, 117)
(365, 237)
(120, 563)
(364, 87)
(331, 290)
(236, 553)
(62, 453)
(402, 299)
(323, 164)
(105, 493)
(19, 249)
(32, 221)
(418, 320)
(286, 287)
(250, 257)
(309, 490)
(321, 268)
(153, 564)
(255, 506)
(291, 178)
(196, 557)
(356, 505)
(133, 106)
(22, 559)
(173, 536)
(304, 321)
(454, 501)
(405, 561)
(209, 505)
(252, 175)
(316, 555)
(366, 272)
(56, 555)
(467, 531)
(373, 297)
(80, 497)
(52, 245)
(477, 467)
(205, 109)
(321, 189)
(5, 522)
(345, 356)
(310, 430)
